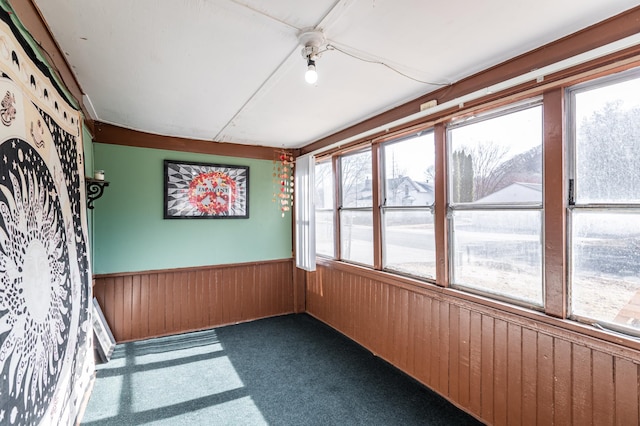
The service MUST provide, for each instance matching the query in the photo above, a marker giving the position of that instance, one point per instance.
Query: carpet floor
(288, 370)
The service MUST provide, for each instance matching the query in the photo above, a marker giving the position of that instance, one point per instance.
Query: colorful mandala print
(198, 190)
(212, 193)
(35, 283)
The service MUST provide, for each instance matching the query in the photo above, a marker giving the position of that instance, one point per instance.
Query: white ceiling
(232, 70)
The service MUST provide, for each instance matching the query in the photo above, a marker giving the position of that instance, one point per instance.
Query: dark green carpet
(289, 370)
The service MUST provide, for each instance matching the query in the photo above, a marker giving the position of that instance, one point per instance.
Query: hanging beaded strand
(283, 181)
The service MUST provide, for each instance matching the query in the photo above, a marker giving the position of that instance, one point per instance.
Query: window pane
(409, 171)
(324, 233)
(499, 252)
(497, 160)
(356, 236)
(605, 281)
(355, 176)
(607, 135)
(409, 242)
(324, 186)
(324, 209)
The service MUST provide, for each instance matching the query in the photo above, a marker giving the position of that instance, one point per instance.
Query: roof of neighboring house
(517, 192)
(418, 186)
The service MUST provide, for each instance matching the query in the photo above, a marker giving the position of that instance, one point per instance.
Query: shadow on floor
(288, 370)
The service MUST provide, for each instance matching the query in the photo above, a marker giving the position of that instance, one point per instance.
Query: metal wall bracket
(95, 189)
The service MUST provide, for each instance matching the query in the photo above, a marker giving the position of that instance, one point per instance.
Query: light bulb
(311, 76)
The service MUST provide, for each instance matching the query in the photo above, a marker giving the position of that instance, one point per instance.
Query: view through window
(605, 217)
(323, 202)
(495, 207)
(356, 214)
(407, 209)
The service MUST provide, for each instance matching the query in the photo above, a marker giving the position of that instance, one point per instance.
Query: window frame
(574, 206)
(340, 208)
(384, 207)
(453, 207)
(331, 210)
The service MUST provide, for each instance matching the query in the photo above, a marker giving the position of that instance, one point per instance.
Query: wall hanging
(205, 191)
(283, 180)
(46, 354)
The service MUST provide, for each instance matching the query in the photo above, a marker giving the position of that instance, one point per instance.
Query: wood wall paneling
(157, 303)
(545, 380)
(529, 376)
(502, 368)
(626, 393)
(603, 393)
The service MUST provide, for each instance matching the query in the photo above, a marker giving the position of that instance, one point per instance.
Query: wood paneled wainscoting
(505, 365)
(140, 305)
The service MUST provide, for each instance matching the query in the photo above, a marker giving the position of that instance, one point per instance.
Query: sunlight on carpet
(153, 381)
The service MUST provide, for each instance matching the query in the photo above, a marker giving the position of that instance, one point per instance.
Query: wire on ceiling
(384, 64)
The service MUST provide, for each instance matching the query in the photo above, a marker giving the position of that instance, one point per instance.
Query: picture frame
(194, 190)
(105, 342)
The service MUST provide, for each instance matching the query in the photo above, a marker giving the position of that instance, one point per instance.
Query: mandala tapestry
(46, 356)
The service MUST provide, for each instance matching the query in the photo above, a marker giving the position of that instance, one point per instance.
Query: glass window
(495, 209)
(499, 252)
(324, 208)
(605, 217)
(356, 214)
(407, 210)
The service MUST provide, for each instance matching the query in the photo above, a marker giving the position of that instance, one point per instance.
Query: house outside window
(407, 209)
(495, 204)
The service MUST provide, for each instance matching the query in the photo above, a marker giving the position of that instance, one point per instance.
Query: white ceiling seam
(293, 54)
(257, 92)
(266, 15)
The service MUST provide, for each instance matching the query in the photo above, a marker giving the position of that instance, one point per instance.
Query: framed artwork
(205, 191)
(105, 343)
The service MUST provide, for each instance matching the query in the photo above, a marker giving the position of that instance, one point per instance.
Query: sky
(593, 100)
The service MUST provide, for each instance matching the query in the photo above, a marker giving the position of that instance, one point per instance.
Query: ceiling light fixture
(311, 76)
(312, 40)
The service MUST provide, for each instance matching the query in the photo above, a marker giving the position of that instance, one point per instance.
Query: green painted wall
(130, 233)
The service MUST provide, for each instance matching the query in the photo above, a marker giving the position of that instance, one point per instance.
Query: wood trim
(335, 166)
(600, 34)
(191, 268)
(618, 62)
(555, 233)
(142, 305)
(115, 135)
(376, 192)
(440, 220)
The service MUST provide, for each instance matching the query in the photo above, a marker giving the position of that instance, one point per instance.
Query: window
(407, 208)
(324, 208)
(356, 214)
(604, 219)
(495, 204)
